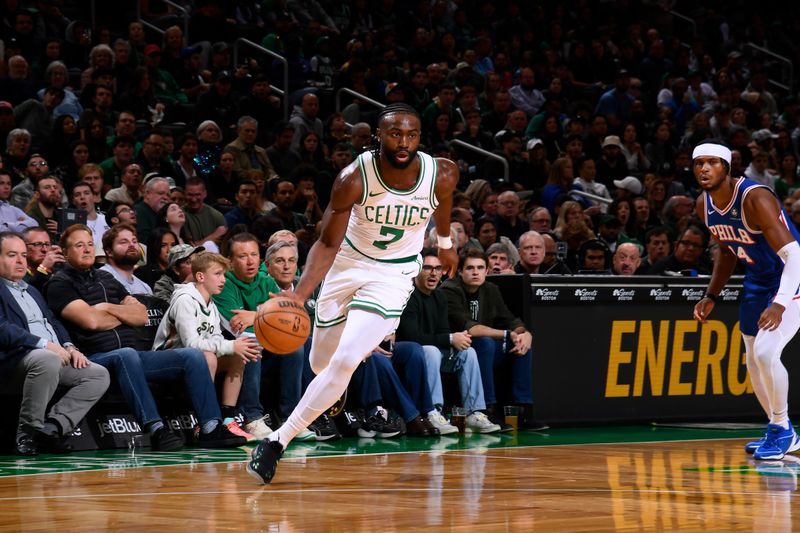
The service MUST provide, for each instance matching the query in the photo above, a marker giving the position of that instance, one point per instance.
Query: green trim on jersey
(398, 260)
(329, 323)
(434, 200)
(398, 191)
(363, 199)
(372, 306)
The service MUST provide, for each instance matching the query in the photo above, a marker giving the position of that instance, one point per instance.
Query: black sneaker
(220, 437)
(380, 425)
(324, 428)
(350, 422)
(164, 440)
(264, 460)
(47, 443)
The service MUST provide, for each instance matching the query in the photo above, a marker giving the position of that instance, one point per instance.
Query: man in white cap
(747, 220)
(628, 187)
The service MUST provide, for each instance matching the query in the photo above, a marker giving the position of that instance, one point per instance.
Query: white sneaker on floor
(258, 428)
(440, 422)
(478, 422)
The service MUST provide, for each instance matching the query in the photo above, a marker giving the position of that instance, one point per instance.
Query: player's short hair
(398, 107)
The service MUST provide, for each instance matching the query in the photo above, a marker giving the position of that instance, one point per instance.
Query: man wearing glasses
(688, 257)
(43, 256)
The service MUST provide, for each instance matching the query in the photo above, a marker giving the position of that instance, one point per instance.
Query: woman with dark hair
(622, 209)
(65, 132)
(788, 181)
(552, 136)
(161, 240)
(172, 217)
(78, 155)
(661, 149)
(441, 133)
(95, 136)
(485, 231)
(311, 151)
(140, 97)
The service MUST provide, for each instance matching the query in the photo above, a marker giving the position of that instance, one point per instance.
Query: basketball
(282, 325)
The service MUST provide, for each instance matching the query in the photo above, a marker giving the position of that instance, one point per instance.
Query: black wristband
(712, 297)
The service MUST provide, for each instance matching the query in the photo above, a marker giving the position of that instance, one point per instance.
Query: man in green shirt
(247, 286)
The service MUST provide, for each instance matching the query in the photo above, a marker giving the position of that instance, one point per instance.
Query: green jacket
(238, 294)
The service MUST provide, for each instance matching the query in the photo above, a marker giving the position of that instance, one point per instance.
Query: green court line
(122, 459)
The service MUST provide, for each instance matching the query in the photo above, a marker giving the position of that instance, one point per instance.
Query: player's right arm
(723, 269)
(346, 191)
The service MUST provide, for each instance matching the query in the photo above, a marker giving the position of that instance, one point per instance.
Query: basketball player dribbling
(748, 221)
(368, 253)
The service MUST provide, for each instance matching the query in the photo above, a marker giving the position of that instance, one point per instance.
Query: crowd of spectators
(161, 146)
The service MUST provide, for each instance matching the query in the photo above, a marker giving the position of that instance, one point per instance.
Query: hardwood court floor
(587, 480)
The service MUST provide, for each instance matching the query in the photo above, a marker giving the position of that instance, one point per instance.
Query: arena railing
(787, 69)
(184, 14)
(591, 196)
(283, 92)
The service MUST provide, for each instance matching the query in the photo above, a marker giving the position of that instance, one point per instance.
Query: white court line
(371, 490)
(306, 458)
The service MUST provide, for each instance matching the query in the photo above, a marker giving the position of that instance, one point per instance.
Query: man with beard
(83, 198)
(48, 199)
(747, 220)
(368, 252)
(122, 254)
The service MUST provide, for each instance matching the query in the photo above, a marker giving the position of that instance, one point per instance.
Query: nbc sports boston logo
(661, 295)
(546, 294)
(624, 295)
(586, 295)
(693, 295)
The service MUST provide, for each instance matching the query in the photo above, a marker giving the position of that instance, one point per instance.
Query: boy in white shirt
(193, 321)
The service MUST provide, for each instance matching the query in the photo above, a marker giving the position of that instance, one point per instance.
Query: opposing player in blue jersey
(368, 252)
(747, 220)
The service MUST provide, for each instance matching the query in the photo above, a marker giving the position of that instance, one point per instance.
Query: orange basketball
(282, 325)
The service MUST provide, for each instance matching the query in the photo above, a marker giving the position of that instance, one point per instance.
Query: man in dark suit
(36, 356)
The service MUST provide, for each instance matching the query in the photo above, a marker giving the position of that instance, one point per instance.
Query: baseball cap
(608, 220)
(152, 49)
(220, 47)
(6, 105)
(533, 143)
(394, 86)
(189, 51)
(462, 65)
(762, 135)
(612, 140)
(181, 251)
(224, 75)
(629, 183)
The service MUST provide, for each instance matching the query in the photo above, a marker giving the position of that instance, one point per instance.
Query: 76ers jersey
(387, 224)
(728, 224)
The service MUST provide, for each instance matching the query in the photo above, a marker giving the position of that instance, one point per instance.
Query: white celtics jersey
(388, 224)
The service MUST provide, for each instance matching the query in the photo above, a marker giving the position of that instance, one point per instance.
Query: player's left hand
(449, 259)
(771, 318)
